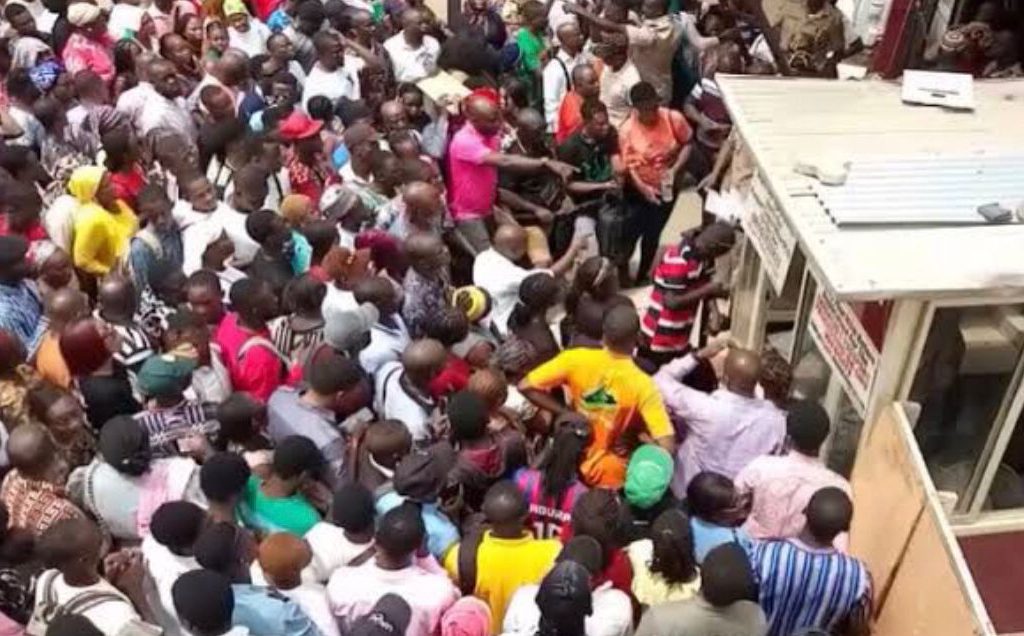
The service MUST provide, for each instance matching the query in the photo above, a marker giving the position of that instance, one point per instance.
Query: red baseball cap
(298, 126)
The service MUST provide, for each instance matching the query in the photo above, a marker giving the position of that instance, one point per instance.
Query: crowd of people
(292, 345)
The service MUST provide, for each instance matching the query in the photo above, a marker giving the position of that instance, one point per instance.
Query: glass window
(967, 363)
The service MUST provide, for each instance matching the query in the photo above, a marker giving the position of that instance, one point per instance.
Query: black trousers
(646, 221)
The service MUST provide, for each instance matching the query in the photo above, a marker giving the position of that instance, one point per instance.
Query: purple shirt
(723, 431)
(474, 184)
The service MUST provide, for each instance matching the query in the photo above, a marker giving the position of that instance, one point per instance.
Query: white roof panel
(783, 120)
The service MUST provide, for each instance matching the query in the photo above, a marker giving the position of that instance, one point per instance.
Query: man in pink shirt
(354, 590)
(255, 364)
(782, 486)
(474, 162)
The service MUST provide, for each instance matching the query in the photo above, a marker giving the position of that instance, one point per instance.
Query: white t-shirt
(500, 278)
(393, 403)
(352, 592)
(234, 224)
(331, 549)
(312, 599)
(412, 64)
(164, 568)
(108, 616)
(337, 301)
(386, 345)
(613, 613)
(341, 82)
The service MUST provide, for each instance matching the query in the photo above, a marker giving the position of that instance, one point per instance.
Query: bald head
(422, 201)
(621, 326)
(31, 450)
(530, 119)
(569, 37)
(117, 298)
(392, 108)
(484, 114)
(66, 305)
(422, 360)
(232, 67)
(742, 369)
(510, 241)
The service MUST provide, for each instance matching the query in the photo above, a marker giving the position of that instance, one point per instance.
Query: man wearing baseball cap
(172, 419)
(646, 490)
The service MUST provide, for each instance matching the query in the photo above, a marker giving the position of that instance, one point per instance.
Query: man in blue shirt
(21, 309)
(262, 610)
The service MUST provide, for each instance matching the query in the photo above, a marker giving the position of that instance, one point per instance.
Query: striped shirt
(168, 425)
(803, 587)
(678, 272)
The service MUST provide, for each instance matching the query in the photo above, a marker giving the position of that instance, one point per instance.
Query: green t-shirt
(270, 514)
(530, 48)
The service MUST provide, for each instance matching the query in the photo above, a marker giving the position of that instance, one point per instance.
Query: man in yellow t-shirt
(507, 555)
(618, 399)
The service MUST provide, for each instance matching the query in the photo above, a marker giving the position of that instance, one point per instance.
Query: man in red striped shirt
(682, 279)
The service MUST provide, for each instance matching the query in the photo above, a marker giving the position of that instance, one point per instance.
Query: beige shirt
(652, 45)
(615, 87)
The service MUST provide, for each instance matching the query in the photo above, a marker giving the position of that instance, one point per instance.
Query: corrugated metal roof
(783, 120)
(926, 191)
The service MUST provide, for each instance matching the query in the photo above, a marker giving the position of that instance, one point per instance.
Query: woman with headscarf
(103, 224)
(124, 485)
(469, 616)
(244, 32)
(87, 346)
(89, 46)
(565, 600)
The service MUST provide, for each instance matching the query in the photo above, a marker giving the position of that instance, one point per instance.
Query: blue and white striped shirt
(804, 587)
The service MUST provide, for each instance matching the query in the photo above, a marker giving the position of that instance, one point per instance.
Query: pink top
(259, 371)
(474, 184)
(352, 591)
(82, 53)
(781, 487)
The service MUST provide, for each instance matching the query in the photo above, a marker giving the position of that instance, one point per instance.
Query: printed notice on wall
(769, 232)
(846, 346)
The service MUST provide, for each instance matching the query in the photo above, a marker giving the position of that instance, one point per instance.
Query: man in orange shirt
(618, 399)
(585, 85)
(63, 307)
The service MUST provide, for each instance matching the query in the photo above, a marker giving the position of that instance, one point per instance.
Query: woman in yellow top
(103, 224)
(664, 566)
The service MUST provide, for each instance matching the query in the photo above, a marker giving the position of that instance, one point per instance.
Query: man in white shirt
(167, 554)
(165, 109)
(619, 75)
(282, 556)
(354, 591)
(329, 76)
(248, 197)
(73, 547)
(558, 71)
(413, 54)
(402, 388)
(388, 336)
(613, 611)
(495, 270)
